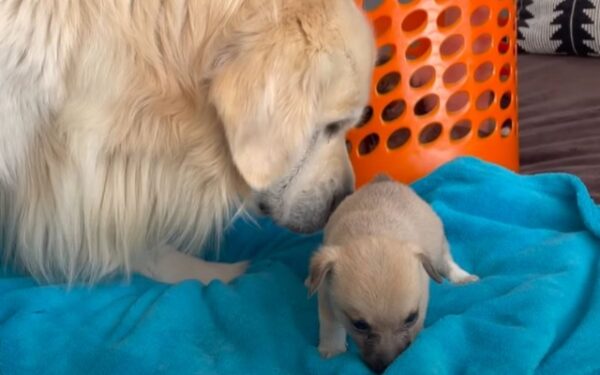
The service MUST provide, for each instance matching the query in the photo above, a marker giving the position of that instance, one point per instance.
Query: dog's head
(378, 289)
(287, 86)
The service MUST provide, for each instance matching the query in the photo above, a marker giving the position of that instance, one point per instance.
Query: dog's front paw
(227, 272)
(328, 351)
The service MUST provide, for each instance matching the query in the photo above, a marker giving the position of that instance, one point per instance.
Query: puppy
(132, 130)
(372, 273)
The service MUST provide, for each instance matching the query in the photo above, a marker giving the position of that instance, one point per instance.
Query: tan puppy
(371, 274)
(132, 130)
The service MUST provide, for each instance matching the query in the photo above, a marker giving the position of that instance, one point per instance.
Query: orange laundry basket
(444, 86)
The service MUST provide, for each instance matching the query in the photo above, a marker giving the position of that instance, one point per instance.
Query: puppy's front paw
(328, 350)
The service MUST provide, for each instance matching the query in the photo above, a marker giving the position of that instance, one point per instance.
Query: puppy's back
(386, 208)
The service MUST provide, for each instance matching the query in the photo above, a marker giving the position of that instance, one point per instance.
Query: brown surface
(560, 116)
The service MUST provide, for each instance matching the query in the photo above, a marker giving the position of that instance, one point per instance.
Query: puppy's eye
(361, 326)
(411, 318)
(333, 128)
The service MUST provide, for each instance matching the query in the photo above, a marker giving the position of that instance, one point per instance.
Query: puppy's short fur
(131, 130)
(371, 273)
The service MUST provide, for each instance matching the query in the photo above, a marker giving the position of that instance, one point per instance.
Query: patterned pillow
(566, 27)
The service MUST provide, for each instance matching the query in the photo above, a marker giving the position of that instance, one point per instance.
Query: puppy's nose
(378, 365)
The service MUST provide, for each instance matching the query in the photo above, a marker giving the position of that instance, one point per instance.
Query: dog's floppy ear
(430, 268)
(266, 94)
(321, 265)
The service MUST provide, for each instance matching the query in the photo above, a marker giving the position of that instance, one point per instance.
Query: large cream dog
(131, 130)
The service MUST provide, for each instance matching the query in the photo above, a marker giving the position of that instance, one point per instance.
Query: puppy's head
(287, 85)
(378, 289)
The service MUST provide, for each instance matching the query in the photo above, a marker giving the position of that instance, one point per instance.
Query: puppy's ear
(321, 265)
(266, 95)
(430, 268)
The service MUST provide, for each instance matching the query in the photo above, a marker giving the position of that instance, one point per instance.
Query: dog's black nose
(264, 208)
(338, 198)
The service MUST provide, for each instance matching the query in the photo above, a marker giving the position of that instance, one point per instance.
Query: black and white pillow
(566, 27)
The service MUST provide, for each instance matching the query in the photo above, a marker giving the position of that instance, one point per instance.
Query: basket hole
(381, 25)
(506, 128)
(405, 1)
(455, 73)
(398, 138)
(482, 43)
(393, 110)
(426, 104)
(365, 117)
(460, 130)
(385, 54)
(480, 15)
(423, 76)
(368, 144)
(371, 5)
(388, 83)
(457, 101)
(449, 17)
(486, 128)
(505, 100)
(503, 17)
(505, 72)
(485, 100)
(418, 49)
(453, 44)
(484, 71)
(430, 133)
(414, 21)
(504, 45)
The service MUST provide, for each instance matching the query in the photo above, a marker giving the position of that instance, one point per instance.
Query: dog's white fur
(130, 131)
(380, 246)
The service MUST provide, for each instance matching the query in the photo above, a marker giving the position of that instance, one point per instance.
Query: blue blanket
(532, 240)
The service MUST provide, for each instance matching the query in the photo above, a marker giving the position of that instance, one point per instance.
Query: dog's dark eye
(333, 128)
(411, 318)
(361, 325)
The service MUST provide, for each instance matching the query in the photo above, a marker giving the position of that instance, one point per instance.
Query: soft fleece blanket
(532, 240)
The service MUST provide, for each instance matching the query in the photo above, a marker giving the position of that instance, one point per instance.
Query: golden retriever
(132, 130)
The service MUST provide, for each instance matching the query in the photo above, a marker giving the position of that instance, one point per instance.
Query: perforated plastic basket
(444, 86)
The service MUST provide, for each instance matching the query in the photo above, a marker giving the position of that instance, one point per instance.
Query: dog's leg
(172, 266)
(332, 334)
